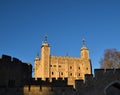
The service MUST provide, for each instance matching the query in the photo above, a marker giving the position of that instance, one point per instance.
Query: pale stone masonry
(62, 66)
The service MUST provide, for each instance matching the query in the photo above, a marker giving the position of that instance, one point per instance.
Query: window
(79, 74)
(61, 73)
(59, 65)
(86, 68)
(52, 73)
(70, 67)
(79, 68)
(70, 74)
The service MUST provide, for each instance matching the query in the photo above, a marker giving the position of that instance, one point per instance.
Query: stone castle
(16, 76)
(62, 66)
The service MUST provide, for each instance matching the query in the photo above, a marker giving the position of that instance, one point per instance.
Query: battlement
(106, 73)
(49, 82)
(8, 59)
(101, 74)
(5, 59)
(48, 87)
(13, 71)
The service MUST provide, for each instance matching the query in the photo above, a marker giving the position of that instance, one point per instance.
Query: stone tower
(84, 51)
(85, 59)
(45, 58)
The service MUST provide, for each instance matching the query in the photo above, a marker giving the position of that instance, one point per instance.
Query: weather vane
(83, 40)
(45, 39)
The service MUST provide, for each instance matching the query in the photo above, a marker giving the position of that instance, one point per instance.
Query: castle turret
(86, 62)
(45, 57)
(84, 51)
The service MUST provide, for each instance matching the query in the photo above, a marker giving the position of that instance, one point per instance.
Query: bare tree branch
(111, 59)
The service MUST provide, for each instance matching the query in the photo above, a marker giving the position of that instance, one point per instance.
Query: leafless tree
(111, 59)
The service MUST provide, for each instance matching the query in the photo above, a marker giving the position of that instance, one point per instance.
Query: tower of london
(48, 66)
(57, 75)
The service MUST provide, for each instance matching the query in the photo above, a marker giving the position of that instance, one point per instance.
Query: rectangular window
(52, 73)
(61, 73)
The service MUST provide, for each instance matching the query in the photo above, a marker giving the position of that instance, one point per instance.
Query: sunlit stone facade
(48, 66)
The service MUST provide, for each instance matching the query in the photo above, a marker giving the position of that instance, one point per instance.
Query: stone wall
(104, 81)
(16, 79)
(48, 90)
(13, 72)
(40, 87)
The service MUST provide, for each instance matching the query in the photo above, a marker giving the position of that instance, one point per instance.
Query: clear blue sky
(23, 24)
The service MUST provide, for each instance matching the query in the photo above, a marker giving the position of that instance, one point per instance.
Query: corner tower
(84, 51)
(45, 58)
(86, 62)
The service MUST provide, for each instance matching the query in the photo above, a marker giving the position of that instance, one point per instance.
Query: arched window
(70, 74)
(70, 67)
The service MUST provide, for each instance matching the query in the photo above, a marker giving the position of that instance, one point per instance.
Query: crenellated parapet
(106, 73)
(48, 90)
(97, 84)
(60, 82)
(48, 87)
(14, 72)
